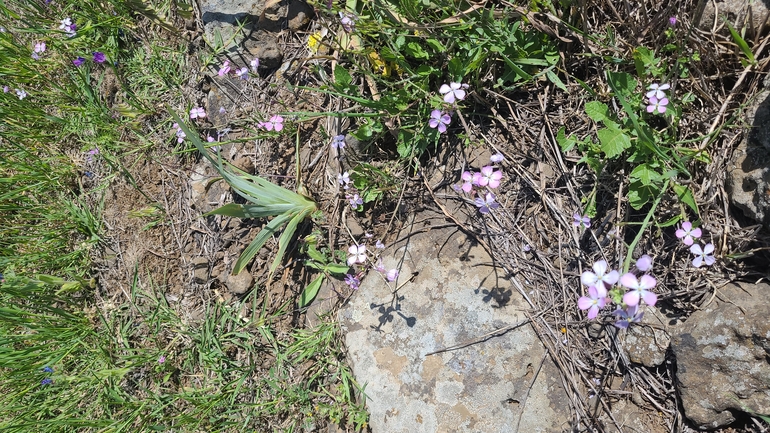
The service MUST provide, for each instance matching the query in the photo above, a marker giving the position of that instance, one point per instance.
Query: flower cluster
(703, 254)
(479, 185)
(357, 255)
(657, 98)
(634, 288)
(242, 73)
(68, 27)
(440, 119)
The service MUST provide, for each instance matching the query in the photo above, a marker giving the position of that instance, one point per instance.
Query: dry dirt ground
(157, 239)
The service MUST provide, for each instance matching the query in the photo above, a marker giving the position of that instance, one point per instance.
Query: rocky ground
(481, 331)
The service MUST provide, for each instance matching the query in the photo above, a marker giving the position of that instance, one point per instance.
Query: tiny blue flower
(48, 369)
(46, 381)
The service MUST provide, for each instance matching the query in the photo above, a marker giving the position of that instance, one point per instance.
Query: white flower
(453, 92)
(357, 254)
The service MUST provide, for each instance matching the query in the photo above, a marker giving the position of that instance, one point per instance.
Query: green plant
(267, 200)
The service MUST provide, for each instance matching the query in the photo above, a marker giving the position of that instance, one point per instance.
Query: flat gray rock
(447, 296)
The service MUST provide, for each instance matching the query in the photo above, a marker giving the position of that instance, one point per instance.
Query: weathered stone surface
(741, 14)
(647, 342)
(748, 175)
(221, 17)
(281, 14)
(443, 299)
(265, 47)
(206, 192)
(723, 357)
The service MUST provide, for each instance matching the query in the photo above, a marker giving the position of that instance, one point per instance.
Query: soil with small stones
(158, 239)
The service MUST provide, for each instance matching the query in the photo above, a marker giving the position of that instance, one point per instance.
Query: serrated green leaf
(613, 141)
(597, 111)
(311, 291)
(342, 77)
(685, 195)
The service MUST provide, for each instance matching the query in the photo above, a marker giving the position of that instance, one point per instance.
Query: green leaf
(316, 255)
(622, 83)
(436, 45)
(597, 111)
(646, 174)
(552, 77)
(342, 77)
(415, 50)
(311, 291)
(742, 44)
(685, 195)
(613, 141)
(336, 269)
(670, 222)
(643, 59)
(259, 240)
(566, 143)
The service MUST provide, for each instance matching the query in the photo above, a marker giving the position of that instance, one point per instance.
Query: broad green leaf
(311, 291)
(597, 111)
(336, 269)
(622, 83)
(566, 143)
(415, 50)
(613, 141)
(646, 174)
(342, 77)
(316, 255)
(643, 58)
(685, 195)
(435, 44)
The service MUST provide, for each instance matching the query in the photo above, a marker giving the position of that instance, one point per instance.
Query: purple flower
(657, 91)
(639, 289)
(46, 381)
(487, 203)
(579, 220)
(355, 200)
(490, 177)
(254, 64)
(6, 89)
(40, 47)
(343, 179)
(78, 61)
(180, 135)
(242, 73)
(440, 120)
(275, 123)
(702, 255)
(20, 93)
(468, 181)
(391, 275)
(48, 369)
(348, 21)
(644, 263)
(352, 281)
(379, 245)
(225, 69)
(99, 57)
(222, 110)
(91, 153)
(338, 141)
(197, 113)
(658, 105)
(161, 359)
(498, 157)
(357, 254)
(672, 21)
(630, 315)
(688, 234)
(600, 274)
(595, 301)
(68, 27)
(453, 92)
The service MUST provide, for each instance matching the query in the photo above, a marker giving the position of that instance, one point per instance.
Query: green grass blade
(271, 228)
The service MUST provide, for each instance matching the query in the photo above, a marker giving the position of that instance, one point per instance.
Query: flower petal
(649, 298)
(631, 298)
(647, 282)
(629, 280)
